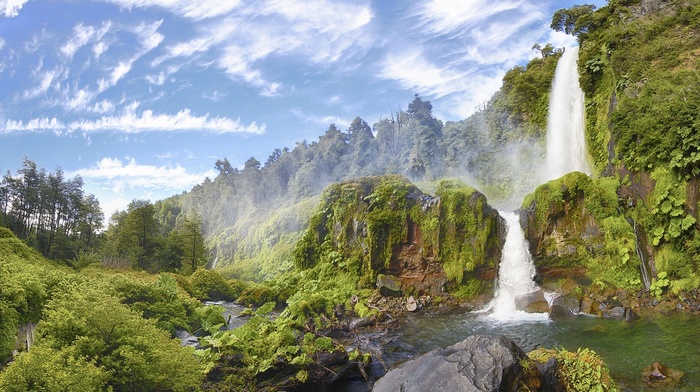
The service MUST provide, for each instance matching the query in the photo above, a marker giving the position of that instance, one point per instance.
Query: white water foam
(566, 139)
(515, 276)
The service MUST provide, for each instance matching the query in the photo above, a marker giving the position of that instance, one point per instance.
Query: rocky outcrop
(576, 229)
(478, 363)
(403, 240)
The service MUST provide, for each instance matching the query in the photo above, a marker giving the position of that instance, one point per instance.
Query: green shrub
(582, 370)
(211, 285)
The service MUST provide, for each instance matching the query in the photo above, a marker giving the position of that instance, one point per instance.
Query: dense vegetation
(638, 64)
(107, 306)
(50, 212)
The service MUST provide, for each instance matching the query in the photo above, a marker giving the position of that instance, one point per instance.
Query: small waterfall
(515, 276)
(642, 261)
(566, 141)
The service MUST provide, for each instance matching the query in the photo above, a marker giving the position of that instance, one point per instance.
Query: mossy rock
(365, 227)
(575, 226)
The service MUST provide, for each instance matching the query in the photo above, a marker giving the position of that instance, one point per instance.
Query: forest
(303, 237)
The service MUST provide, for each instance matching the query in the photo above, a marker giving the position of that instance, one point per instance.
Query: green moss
(583, 370)
(471, 288)
(467, 231)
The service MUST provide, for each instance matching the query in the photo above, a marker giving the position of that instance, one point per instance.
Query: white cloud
(447, 16)
(149, 39)
(130, 122)
(320, 31)
(11, 8)
(414, 72)
(99, 48)
(148, 35)
(147, 121)
(2, 43)
(82, 35)
(129, 174)
(102, 107)
(322, 120)
(216, 96)
(36, 124)
(46, 79)
(194, 9)
(78, 100)
(158, 80)
(478, 41)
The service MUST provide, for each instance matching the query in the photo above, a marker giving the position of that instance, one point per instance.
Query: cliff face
(575, 228)
(387, 226)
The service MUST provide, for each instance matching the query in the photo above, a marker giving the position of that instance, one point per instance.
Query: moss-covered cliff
(576, 228)
(638, 64)
(386, 225)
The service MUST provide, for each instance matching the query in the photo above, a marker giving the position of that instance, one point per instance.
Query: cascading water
(515, 274)
(566, 152)
(566, 141)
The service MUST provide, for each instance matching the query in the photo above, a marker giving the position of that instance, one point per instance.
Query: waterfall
(516, 273)
(566, 141)
(566, 152)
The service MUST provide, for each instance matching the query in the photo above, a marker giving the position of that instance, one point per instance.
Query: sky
(141, 97)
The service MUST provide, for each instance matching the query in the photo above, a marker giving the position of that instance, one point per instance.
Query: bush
(211, 285)
(582, 370)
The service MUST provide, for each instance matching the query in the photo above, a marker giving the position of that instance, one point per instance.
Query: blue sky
(141, 97)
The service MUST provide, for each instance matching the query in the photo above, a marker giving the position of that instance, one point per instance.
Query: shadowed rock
(478, 363)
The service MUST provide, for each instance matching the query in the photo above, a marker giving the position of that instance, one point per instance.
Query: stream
(626, 347)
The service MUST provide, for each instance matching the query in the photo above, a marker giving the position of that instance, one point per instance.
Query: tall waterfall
(566, 152)
(566, 141)
(515, 273)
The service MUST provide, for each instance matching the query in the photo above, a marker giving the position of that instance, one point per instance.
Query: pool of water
(627, 347)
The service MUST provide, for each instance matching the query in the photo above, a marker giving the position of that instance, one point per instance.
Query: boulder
(524, 300)
(631, 315)
(537, 307)
(478, 363)
(389, 286)
(550, 376)
(659, 375)
(590, 306)
(616, 313)
(559, 311)
(570, 301)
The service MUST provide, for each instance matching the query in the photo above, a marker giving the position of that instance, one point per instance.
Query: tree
(189, 239)
(138, 237)
(425, 155)
(575, 20)
(547, 50)
(226, 170)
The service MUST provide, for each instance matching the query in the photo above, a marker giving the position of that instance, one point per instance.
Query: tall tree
(139, 235)
(189, 239)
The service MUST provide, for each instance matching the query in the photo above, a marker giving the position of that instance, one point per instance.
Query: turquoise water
(627, 347)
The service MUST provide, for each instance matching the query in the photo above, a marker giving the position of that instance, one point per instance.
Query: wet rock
(570, 301)
(478, 363)
(658, 375)
(389, 285)
(363, 322)
(616, 313)
(559, 311)
(524, 300)
(630, 315)
(537, 307)
(590, 306)
(411, 304)
(551, 381)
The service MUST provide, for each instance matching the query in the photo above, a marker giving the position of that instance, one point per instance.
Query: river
(627, 347)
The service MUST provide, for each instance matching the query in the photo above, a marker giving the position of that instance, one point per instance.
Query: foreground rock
(478, 363)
